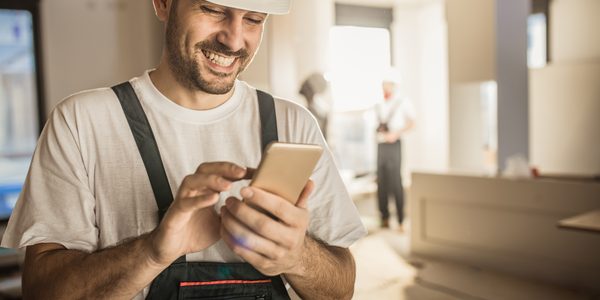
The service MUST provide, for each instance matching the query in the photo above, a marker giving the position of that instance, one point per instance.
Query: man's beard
(187, 70)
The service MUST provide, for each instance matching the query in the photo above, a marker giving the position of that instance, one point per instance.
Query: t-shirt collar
(157, 100)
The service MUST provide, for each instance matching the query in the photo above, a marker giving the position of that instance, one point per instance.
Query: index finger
(225, 169)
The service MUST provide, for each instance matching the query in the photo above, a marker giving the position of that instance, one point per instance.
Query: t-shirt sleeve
(56, 204)
(333, 216)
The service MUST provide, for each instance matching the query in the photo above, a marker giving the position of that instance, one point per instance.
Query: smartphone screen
(285, 169)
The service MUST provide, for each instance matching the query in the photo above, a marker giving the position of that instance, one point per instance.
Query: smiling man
(135, 191)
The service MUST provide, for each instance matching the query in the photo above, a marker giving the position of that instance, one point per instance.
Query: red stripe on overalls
(196, 283)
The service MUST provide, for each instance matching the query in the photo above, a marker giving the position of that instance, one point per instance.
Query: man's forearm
(326, 272)
(115, 273)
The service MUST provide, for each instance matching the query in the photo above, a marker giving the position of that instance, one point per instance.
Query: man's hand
(191, 224)
(271, 246)
(391, 137)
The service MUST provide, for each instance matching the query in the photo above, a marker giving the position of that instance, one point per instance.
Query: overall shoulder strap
(393, 110)
(268, 118)
(148, 148)
(146, 143)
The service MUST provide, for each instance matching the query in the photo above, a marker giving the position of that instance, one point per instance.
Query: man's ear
(161, 9)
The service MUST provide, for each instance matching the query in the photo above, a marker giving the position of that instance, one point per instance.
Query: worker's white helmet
(275, 7)
(392, 74)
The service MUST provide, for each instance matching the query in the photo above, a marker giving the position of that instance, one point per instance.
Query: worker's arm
(120, 272)
(315, 270)
(324, 272)
(393, 136)
(53, 272)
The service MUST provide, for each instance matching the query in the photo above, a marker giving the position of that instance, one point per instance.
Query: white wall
(471, 61)
(282, 64)
(565, 105)
(466, 151)
(95, 43)
(574, 30)
(299, 45)
(487, 42)
(419, 36)
(471, 40)
(565, 96)
(433, 127)
(566, 85)
(257, 74)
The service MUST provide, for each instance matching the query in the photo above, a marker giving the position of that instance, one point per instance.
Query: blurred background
(500, 171)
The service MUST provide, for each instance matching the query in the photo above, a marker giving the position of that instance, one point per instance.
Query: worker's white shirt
(87, 187)
(400, 109)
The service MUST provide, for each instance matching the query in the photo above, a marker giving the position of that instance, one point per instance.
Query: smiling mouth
(223, 61)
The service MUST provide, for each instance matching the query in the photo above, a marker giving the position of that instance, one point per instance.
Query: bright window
(358, 58)
(536, 40)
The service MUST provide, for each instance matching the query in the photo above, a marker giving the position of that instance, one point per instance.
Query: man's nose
(232, 34)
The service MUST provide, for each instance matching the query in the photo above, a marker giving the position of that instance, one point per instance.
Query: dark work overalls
(389, 176)
(198, 280)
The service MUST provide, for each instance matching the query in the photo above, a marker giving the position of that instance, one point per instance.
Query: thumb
(303, 199)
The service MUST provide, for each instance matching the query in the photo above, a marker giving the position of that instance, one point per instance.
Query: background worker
(396, 116)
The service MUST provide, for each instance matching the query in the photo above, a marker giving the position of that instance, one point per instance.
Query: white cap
(275, 7)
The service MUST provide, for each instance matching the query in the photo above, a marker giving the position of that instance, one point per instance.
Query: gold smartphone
(285, 169)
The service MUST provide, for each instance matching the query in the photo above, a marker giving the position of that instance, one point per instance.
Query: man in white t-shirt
(90, 216)
(396, 116)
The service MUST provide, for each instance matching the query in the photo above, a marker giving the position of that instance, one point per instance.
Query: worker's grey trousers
(389, 179)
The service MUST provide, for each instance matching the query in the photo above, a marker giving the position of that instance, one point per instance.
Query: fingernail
(247, 192)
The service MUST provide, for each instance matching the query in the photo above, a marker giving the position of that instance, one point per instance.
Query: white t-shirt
(400, 109)
(87, 187)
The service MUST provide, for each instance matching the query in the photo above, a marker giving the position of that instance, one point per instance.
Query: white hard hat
(392, 74)
(275, 7)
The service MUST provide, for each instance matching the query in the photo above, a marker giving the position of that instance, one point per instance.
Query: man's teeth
(218, 59)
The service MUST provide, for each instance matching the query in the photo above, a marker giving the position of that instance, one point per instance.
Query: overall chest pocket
(226, 289)
(209, 280)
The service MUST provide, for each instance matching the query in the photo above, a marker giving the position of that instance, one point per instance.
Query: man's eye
(211, 11)
(255, 21)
